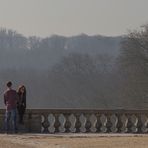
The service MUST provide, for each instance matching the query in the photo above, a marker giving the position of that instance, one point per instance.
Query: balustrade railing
(84, 121)
(95, 121)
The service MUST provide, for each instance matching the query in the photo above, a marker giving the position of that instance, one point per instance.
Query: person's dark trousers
(8, 115)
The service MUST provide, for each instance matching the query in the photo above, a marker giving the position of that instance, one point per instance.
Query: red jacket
(10, 99)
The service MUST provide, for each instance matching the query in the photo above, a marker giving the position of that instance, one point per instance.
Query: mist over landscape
(60, 71)
(68, 72)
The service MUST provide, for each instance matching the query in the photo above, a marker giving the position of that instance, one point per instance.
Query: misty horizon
(67, 36)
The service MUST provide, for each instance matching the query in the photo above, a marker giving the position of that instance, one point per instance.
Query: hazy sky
(71, 17)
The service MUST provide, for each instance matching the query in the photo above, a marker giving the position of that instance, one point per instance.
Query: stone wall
(32, 121)
(82, 121)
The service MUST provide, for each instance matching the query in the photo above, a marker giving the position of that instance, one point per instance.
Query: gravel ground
(74, 141)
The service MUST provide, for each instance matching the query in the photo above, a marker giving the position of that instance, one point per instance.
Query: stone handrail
(84, 121)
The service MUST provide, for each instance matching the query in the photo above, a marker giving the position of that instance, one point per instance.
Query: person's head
(9, 84)
(22, 89)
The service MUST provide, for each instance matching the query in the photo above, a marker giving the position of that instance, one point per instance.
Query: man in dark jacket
(10, 101)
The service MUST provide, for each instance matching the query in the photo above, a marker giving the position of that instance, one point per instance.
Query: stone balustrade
(83, 121)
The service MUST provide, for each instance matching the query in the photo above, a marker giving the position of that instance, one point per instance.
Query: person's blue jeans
(10, 115)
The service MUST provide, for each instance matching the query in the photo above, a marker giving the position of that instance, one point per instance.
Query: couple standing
(14, 101)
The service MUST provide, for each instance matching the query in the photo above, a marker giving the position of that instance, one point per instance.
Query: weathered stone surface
(51, 120)
(103, 120)
(93, 121)
(72, 120)
(114, 121)
(134, 121)
(144, 120)
(124, 121)
(83, 123)
(62, 121)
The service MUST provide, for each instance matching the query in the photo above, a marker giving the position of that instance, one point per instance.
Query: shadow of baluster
(42, 121)
(45, 123)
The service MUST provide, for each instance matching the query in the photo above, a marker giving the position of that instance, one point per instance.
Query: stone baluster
(93, 120)
(44, 123)
(134, 121)
(83, 121)
(72, 120)
(114, 121)
(124, 121)
(144, 120)
(51, 120)
(103, 120)
(62, 121)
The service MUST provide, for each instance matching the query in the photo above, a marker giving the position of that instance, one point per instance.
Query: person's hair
(9, 84)
(20, 87)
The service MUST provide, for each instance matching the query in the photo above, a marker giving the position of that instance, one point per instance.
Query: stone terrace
(74, 141)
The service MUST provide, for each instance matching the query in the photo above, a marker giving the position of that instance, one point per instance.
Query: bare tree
(133, 64)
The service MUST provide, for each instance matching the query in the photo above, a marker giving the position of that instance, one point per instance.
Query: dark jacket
(21, 100)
